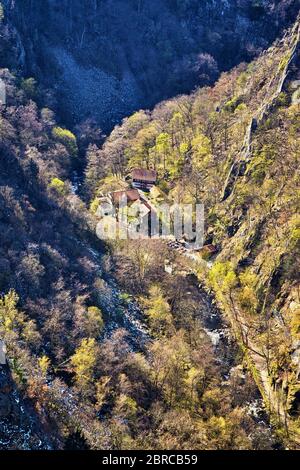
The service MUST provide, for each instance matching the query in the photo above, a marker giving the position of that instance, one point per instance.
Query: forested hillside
(235, 147)
(107, 347)
(108, 58)
(85, 381)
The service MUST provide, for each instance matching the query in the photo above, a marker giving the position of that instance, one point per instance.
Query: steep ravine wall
(107, 58)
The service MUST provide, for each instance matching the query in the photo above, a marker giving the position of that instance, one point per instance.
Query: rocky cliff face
(108, 58)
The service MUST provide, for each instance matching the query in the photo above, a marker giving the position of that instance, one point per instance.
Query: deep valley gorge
(133, 344)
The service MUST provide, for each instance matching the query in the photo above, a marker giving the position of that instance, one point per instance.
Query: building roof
(210, 248)
(144, 175)
(131, 195)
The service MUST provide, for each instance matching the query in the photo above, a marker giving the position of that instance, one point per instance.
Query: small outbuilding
(207, 251)
(130, 196)
(143, 179)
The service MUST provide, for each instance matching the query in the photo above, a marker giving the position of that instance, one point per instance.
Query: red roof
(131, 195)
(150, 176)
(210, 248)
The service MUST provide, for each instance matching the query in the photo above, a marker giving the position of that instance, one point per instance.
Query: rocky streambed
(19, 425)
(123, 311)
